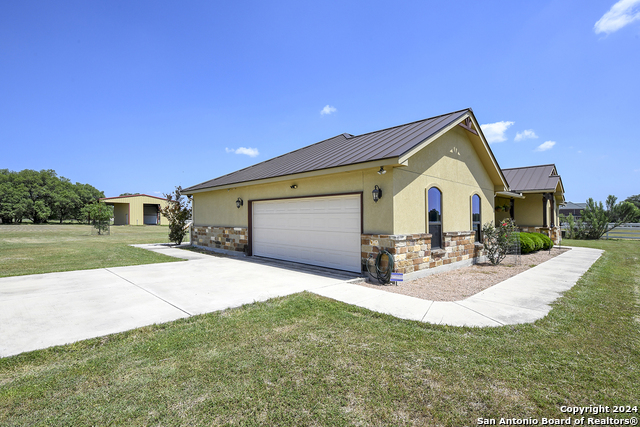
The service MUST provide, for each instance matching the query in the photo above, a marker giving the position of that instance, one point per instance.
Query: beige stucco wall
(528, 211)
(218, 207)
(451, 164)
(134, 207)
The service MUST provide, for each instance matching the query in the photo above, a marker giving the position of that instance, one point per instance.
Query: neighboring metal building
(138, 209)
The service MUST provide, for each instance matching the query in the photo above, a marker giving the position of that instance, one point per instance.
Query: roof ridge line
(410, 123)
(533, 166)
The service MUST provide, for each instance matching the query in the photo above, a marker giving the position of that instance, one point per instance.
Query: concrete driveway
(43, 310)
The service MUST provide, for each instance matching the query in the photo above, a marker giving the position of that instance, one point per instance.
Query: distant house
(137, 209)
(574, 209)
(536, 194)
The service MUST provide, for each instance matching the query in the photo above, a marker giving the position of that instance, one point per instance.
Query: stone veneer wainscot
(413, 253)
(228, 239)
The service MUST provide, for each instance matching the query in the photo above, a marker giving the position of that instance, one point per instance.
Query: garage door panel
(321, 231)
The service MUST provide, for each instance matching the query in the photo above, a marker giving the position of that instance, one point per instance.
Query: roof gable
(342, 150)
(533, 178)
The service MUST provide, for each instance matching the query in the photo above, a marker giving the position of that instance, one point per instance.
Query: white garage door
(321, 231)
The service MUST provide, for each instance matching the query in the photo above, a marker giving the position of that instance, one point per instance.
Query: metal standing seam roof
(532, 178)
(341, 150)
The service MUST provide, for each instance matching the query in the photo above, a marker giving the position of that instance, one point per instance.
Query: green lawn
(307, 360)
(34, 249)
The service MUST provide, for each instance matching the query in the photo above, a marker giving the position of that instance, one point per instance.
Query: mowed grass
(34, 249)
(308, 360)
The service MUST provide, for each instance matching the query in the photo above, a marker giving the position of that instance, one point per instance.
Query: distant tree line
(43, 196)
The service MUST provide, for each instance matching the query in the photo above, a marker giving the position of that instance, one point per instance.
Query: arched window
(475, 217)
(435, 217)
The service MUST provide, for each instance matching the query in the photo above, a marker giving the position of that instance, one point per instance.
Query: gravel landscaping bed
(462, 283)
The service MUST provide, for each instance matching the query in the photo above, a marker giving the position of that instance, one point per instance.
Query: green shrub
(546, 241)
(526, 243)
(537, 241)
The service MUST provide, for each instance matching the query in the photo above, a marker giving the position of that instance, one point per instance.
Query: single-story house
(421, 190)
(574, 209)
(137, 209)
(536, 194)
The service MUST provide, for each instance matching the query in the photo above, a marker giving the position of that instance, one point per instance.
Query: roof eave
(391, 161)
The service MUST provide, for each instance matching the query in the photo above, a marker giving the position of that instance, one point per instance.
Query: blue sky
(143, 96)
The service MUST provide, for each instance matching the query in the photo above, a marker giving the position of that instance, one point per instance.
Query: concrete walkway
(43, 310)
(523, 298)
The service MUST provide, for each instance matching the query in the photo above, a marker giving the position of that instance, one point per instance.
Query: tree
(596, 218)
(100, 215)
(65, 199)
(178, 212)
(42, 195)
(87, 195)
(635, 200)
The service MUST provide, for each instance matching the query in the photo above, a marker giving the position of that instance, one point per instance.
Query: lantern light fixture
(239, 203)
(377, 193)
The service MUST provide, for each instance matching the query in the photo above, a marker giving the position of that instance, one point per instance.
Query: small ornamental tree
(498, 240)
(100, 215)
(178, 212)
(597, 218)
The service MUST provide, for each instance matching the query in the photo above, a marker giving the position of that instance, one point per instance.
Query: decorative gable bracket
(468, 125)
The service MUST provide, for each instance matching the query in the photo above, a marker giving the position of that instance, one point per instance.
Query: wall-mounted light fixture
(382, 171)
(294, 186)
(377, 193)
(239, 203)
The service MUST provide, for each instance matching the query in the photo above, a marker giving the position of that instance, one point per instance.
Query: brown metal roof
(532, 178)
(341, 150)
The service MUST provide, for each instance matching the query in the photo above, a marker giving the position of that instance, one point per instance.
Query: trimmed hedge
(547, 242)
(537, 241)
(526, 243)
(532, 242)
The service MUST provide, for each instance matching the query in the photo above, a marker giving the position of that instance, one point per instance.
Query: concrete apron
(39, 311)
(523, 298)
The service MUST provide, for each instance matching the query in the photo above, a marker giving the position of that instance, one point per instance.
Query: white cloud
(328, 109)
(494, 132)
(527, 134)
(251, 152)
(548, 145)
(622, 13)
